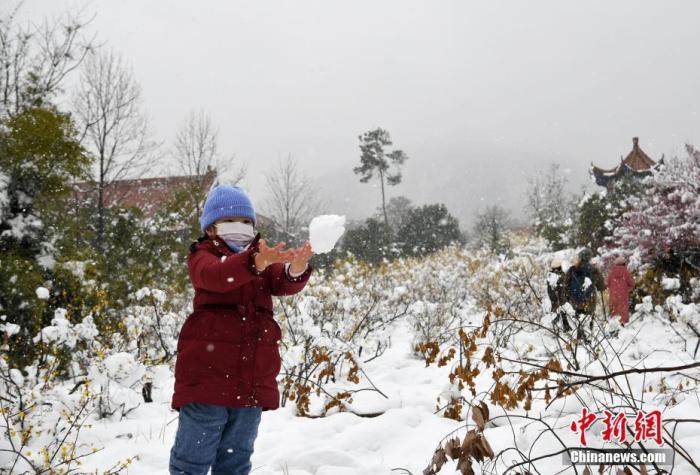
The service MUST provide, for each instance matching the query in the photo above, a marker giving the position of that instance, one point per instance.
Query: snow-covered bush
(151, 329)
(113, 377)
(340, 322)
(79, 374)
(41, 421)
(536, 377)
(42, 416)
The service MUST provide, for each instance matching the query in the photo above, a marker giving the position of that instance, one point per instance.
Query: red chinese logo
(615, 427)
(647, 426)
(581, 425)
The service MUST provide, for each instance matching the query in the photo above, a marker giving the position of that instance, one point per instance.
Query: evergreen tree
(427, 229)
(370, 241)
(39, 156)
(375, 159)
(600, 213)
(490, 229)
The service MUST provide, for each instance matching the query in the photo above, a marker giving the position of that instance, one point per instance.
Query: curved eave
(604, 177)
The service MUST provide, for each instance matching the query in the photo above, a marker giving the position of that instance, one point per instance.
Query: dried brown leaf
(487, 447)
(484, 410)
(478, 451)
(478, 417)
(468, 441)
(465, 466)
(453, 449)
(439, 459)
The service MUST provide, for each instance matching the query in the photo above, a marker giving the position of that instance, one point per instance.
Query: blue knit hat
(225, 201)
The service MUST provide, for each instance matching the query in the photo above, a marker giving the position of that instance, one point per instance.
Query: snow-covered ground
(343, 443)
(447, 291)
(407, 432)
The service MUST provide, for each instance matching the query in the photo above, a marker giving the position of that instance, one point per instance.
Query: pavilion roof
(637, 162)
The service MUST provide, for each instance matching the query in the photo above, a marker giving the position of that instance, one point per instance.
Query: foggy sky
(478, 94)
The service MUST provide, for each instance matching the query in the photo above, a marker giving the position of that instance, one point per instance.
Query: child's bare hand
(301, 256)
(269, 255)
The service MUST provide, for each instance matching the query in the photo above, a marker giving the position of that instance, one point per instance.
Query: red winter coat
(620, 283)
(227, 352)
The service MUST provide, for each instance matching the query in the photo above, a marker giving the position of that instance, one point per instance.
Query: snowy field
(481, 322)
(393, 424)
(343, 443)
(408, 431)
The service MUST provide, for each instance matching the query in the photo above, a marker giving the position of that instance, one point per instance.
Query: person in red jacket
(620, 283)
(227, 354)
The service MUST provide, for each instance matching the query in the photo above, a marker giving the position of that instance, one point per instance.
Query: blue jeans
(214, 436)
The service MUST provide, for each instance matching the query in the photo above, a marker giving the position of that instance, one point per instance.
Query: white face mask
(237, 233)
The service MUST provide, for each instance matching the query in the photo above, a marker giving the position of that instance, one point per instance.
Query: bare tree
(115, 129)
(35, 60)
(293, 199)
(196, 152)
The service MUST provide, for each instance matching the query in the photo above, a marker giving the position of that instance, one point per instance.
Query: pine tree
(375, 159)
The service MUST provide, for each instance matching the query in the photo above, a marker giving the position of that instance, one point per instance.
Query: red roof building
(149, 194)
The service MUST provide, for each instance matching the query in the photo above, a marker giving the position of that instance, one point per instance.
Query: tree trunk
(386, 219)
(100, 214)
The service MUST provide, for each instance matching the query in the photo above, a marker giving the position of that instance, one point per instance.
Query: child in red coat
(228, 357)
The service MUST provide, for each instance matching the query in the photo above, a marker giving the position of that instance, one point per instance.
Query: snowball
(324, 232)
(42, 293)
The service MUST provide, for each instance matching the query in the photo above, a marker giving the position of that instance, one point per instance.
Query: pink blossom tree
(663, 229)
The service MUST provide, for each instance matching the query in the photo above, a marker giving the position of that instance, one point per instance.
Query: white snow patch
(42, 293)
(10, 328)
(587, 283)
(120, 366)
(670, 284)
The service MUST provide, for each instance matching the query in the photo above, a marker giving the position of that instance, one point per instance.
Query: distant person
(580, 283)
(620, 283)
(555, 279)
